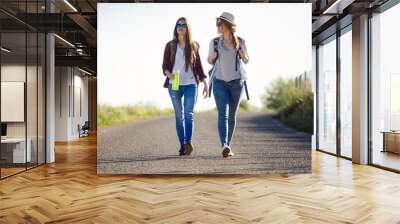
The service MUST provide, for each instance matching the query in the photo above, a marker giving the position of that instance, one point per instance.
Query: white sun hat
(227, 17)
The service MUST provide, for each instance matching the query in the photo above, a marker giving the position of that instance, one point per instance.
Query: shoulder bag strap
(215, 41)
(236, 64)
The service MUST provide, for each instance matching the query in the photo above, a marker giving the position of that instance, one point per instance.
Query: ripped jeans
(184, 112)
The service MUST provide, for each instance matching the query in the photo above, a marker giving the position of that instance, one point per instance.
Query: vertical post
(50, 91)
(360, 90)
(1, 163)
(338, 76)
(26, 87)
(315, 93)
(369, 78)
(316, 100)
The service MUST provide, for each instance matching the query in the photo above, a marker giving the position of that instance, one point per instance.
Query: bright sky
(132, 37)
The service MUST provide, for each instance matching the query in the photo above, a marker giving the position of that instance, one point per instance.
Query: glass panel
(23, 90)
(346, 94)
(31, 100)
(327, 96)
(13, 76)
(385, 83)
(41, 98)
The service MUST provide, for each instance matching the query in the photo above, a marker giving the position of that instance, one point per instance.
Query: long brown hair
(232, 30)
(190, 46)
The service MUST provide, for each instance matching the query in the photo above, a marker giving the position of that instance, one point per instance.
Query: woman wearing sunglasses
(181, 56)
(226, 53)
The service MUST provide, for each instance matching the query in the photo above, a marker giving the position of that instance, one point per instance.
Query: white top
(185, 78)
(225, 64)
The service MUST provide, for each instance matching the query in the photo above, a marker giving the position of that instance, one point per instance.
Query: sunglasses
(184, 25)
(219, 22)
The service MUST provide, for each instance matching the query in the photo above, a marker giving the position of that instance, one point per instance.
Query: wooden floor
(70, 191)
(5, 172)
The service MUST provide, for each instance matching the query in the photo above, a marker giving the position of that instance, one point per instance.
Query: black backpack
(215, 41)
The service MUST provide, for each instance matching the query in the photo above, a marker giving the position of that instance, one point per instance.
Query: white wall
(70, 83)
(61, 103)
(80, 83)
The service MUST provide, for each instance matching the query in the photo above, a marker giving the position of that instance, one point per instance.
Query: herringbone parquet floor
(70, 191)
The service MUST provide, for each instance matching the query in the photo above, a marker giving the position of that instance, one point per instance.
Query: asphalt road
(261, 144)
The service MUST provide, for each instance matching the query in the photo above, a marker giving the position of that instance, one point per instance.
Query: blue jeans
(227, 98)
(184, 113)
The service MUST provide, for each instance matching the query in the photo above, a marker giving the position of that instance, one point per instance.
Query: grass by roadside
(245, 106)
(110, 116)
(292, 100)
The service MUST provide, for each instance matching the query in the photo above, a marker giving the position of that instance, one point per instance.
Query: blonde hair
(232, 30)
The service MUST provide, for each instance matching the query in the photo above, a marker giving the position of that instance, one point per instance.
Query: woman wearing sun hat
(227, 53)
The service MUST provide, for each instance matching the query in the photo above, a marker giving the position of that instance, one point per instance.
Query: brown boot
(188, 149)
(227, 152)
(181, 151)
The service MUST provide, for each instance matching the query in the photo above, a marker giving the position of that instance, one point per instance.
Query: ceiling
(76, 22)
